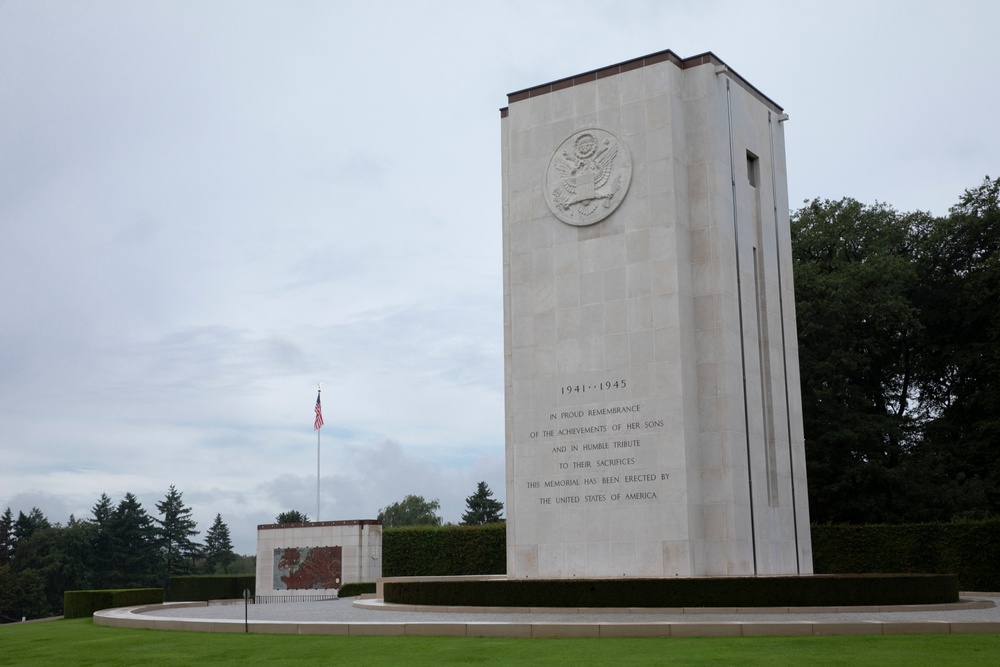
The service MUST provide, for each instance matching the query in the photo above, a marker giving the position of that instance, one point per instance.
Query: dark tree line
(481, 509)
(899, 350)
(120, 546)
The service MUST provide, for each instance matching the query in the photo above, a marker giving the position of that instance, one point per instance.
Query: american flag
(319, 414)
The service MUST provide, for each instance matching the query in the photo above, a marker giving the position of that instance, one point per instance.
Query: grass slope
(79, 642)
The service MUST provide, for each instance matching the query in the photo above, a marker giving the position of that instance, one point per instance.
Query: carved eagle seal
(588, 176)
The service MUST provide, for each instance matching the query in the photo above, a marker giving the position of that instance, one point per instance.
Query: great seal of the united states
(588, 176)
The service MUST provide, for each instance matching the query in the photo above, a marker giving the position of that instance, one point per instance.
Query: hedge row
(81, 604)
(969, 548)
(791, 591)
(355, 589)
(451, 550)
(210, 587)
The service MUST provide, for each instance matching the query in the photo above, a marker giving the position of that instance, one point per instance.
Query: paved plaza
(977, 612)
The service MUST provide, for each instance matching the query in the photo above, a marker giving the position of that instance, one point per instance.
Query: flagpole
(318, 425)
(317, 473)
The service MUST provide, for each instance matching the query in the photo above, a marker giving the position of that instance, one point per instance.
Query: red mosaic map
(298, 568)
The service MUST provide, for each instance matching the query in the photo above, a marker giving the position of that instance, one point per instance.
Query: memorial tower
(653, 412)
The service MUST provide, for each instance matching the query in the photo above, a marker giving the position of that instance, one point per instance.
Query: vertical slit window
(752, 169)
(763, 338)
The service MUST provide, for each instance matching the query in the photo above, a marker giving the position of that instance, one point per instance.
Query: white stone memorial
(316, 559)
(653, 412)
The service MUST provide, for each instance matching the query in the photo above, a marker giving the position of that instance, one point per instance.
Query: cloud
(202, 212)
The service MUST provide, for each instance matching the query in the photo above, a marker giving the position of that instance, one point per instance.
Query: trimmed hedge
(196, 588)
(357, 588)
(80, 604)
(970, 548)
(792, 591)
(444, 551)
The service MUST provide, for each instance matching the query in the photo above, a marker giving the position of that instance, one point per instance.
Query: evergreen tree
(134, 555)
(103, 510)
(173, 538)
(218, 547)
(291, 516)
(101, 544)
(6, 536)
(20, 533)
(483, 509)
(27, 524)
(71, 566)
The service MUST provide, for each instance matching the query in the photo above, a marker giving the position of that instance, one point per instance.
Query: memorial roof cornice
(636, 63)
(319, 524)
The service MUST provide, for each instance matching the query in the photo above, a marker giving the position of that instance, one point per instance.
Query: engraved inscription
(615, 464)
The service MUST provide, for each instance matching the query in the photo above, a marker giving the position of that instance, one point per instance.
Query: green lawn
(79, 642)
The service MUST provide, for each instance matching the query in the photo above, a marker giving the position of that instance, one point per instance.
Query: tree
(411, 511)
(6, 536)
(482, 508)
(859, 350)
(101, 545)
(22, 594)
(218, 547)
(134, 555)
(72, 565)
(26, 524)
(242, 565)
(961, 316)
(291, 516)
(60, 556)
(103, 510)
(176, 529)
(20, 533)
(899, 354)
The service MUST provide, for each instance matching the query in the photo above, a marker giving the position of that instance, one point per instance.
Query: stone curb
(145, 617)
(379, 605)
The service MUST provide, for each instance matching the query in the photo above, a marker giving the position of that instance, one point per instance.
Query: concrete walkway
(977, 613)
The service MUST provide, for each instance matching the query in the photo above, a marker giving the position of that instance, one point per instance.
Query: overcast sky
(206, 207)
